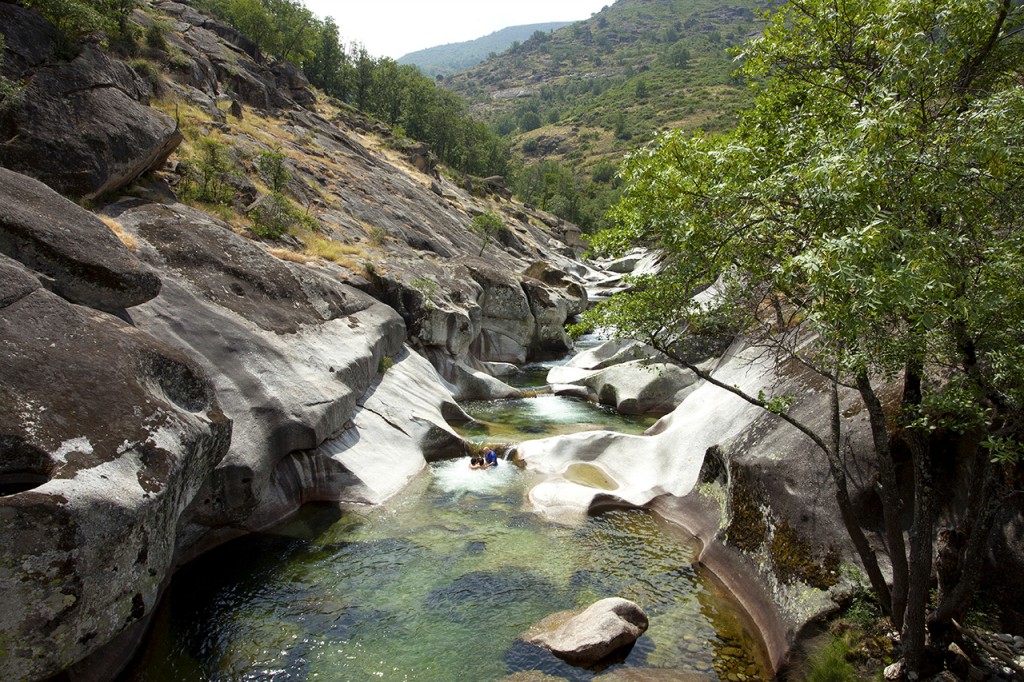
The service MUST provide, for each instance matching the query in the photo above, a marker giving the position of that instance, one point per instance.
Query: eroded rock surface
(74, 254)
(291, 349)
(106, 435)
(626, 375)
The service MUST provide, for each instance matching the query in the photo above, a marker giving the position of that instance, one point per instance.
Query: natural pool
(436, 586)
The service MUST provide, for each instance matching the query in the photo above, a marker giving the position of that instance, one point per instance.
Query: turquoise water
(540, 416)
(437, 586)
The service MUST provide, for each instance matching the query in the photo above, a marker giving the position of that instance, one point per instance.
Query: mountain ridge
(452, 58)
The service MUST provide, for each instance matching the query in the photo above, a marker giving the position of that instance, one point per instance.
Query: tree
(869, 202)
(326, 67)
(486, 226)
(678, 55)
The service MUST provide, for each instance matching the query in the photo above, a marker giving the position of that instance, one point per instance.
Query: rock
(30, 41)
(293, 83)
(74, 253)
(957, 661)
(507, 323)
(625, 375)
(106, 436)
(420, 156)
(81, 127)
(292, 351)
(587, 637)
(403, 423)
(631, 388)
(894, 671)
(466, 382)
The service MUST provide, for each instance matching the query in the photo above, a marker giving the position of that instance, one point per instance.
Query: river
(438, 583)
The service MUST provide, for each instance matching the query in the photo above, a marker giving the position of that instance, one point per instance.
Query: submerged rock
(589, 636)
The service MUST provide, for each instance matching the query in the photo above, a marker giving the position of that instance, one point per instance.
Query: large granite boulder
(83, 126)
(73, 253)
(507, 322)
(106, 436)
(589, 636)
(292, 352)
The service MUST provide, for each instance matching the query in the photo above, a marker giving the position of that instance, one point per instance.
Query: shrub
(273, 170)
(155, 39)
(205, 174)
(274, 215)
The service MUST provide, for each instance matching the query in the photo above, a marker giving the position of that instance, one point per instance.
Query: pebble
(1005, 638)
(1018, 642)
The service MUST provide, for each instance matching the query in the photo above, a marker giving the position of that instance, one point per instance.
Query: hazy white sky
(392, 28)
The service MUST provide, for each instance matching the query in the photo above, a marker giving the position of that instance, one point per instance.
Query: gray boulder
(82, 127)
(507, 322)
(73, 252)
(30, 40)
(291, 350)
(587, 637)
(106, 435)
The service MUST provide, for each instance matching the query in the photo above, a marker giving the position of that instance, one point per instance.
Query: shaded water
(436, 586)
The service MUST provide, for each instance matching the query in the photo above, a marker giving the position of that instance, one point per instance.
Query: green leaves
(875, 186)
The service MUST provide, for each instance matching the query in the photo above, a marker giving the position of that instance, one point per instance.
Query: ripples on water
(435, 586)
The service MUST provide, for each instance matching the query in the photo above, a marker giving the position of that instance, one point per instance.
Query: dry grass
(348, 256)
(289, 255)
(115, 227)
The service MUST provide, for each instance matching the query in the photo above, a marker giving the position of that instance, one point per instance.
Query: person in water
(476, 462)
(490, 458)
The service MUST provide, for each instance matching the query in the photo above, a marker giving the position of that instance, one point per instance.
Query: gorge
(248, 334)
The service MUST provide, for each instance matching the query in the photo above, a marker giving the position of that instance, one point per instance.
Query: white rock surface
(665, 460)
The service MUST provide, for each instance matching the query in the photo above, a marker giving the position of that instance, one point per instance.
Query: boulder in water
(587, 637)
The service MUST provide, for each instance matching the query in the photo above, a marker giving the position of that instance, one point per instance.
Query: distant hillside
(446, 60)
(600, 87)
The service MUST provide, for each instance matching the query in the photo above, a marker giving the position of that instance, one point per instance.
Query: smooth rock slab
(82, 127)
(584, 639)
(72, 252)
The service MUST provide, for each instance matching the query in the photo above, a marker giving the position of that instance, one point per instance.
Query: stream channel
(437, 584)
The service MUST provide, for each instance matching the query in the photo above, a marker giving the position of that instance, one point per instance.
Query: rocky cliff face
(160, 399)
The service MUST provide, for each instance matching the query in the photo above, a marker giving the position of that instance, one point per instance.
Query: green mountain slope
(593, 90)
(445, 60)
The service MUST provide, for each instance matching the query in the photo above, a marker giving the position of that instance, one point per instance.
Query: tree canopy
(871, 199)
(398, 95)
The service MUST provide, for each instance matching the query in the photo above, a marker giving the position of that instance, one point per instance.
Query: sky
(392, 28)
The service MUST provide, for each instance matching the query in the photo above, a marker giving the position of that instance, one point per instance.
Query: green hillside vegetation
(633, 69)
(400, 96)
(582, 97)
(446, 60)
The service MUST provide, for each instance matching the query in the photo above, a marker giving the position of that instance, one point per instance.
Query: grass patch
(115, 227)
(830, 664)
(289, 255)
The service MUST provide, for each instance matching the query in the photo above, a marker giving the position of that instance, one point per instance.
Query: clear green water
(513, 421)
(436, 586)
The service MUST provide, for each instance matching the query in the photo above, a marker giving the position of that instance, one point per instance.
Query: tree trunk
(981, 513)
(914, 630)
(889, 496)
